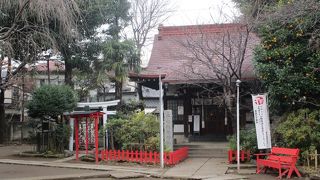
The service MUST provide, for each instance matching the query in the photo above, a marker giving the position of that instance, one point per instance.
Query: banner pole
(161, 122)
(238, 126)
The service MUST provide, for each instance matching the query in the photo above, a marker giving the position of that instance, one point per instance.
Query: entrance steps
(206, 149)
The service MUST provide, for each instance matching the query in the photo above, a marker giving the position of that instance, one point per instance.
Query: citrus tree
(288, 58)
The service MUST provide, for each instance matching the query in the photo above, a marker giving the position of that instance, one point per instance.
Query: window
(173, 105)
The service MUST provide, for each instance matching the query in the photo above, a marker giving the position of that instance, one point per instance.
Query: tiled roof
(175, 49)
(53, 66)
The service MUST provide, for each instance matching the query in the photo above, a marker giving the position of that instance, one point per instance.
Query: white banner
(262, 122)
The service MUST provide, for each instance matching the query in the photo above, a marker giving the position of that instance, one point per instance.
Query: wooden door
(213, 121)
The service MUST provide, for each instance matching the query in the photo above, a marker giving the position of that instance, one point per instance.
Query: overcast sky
(189, 12)
(192, 12)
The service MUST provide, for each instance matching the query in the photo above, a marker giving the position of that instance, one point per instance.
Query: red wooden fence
(244, 156)
(170, 158)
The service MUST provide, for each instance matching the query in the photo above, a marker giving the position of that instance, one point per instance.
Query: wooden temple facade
(196, 110)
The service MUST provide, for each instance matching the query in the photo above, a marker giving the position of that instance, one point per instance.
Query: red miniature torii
(77, 115)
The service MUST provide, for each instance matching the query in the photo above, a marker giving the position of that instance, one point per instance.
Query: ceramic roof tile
(175, 49)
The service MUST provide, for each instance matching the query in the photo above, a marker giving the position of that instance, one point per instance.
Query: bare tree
(220, 59)
(24, 31)
(146, 15)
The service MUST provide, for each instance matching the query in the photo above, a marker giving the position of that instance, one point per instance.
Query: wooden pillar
(96, 123)
(76, 124)
(87, 138)
(187, 110)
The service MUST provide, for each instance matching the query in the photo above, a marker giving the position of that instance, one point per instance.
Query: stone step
(206, 149)
(216, 146)
(207, 156)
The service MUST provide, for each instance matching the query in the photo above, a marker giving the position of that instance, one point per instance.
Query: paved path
(191, 168)
(202, 168)
(151, 171)
(22, 172)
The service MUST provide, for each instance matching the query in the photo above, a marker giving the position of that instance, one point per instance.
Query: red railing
(170, 158)
(244, 156)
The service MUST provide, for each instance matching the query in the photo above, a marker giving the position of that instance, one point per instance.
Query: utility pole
(48, 68)
(22, 105)
(47, 55)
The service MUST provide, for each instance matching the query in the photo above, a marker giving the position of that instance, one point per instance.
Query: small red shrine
(86, 116)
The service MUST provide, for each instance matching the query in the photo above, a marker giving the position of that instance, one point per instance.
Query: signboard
(180, 110)
(178, 128)
(262, 122)
(196, 123)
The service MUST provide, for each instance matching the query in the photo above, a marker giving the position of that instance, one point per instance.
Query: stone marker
(168, 130)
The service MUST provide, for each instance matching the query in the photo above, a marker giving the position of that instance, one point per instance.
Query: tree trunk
(68, 72)
(118, 92)
(139, 89)
(3, 123)
(111, 139)
(227, 93)
(104, 94)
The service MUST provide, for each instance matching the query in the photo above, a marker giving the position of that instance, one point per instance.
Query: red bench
(283, 159)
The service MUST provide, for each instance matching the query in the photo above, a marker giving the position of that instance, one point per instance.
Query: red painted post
(102, 155)
(96, 120)
(136, 155)
(107, 154)
(127, 155)
(77, 137)
(145, 157)
(112, 155)
(131, 155)
(119, 155)
(242, 155)
(87, 138)
(176, 156)
(140, 158)
(230, 156)
(150, 157)
(173, 157)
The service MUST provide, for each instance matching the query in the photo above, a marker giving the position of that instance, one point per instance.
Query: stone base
(180, 138)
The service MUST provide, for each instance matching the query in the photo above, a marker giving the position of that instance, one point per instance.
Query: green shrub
(248, 141)
(48, 103)
(152, 144)
(59, 138)
(136, 132)
(300, 129)
(51, 101)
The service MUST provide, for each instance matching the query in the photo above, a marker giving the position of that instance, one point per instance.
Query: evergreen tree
(288, 58)
(120, 56)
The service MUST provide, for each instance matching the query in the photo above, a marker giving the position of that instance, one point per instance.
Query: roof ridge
(196, 29)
